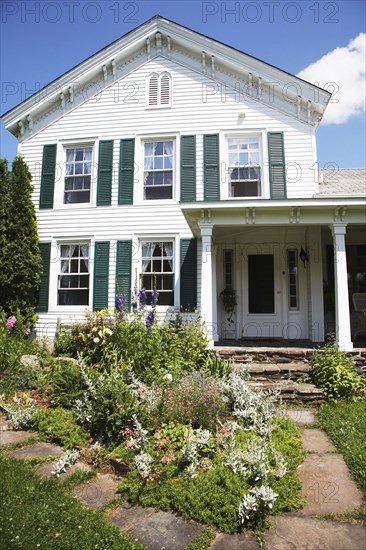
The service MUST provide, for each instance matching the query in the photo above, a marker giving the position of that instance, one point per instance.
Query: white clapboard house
(170, 155)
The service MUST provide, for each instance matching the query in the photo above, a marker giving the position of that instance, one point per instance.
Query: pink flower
(11, 321)
(27, 331)
(167, 459)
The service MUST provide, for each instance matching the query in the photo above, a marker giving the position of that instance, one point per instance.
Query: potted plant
(229, 302)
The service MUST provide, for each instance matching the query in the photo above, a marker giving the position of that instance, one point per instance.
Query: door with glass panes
(261, 295)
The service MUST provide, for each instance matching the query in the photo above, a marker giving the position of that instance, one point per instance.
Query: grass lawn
(345, 423)
(38, 513)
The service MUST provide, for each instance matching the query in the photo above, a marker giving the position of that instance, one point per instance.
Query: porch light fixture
(304, 256)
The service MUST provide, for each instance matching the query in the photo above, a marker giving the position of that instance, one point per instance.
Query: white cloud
(341, 72)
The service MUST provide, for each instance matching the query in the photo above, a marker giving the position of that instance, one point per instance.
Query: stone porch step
(292, 370)
(289, 390)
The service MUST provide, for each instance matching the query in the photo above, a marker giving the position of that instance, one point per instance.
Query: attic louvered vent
(164, 89)
(153, 90)
(159, 93)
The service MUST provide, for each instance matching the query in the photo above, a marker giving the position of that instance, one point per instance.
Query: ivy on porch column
(207, 281)
(343, 323)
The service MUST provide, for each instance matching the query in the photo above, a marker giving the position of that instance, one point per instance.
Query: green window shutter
(277, 168)
(188, 274)
(105, 162)
(188, 168)
(45, 249)
(48, 176)
(123, 270)
(126, 171)
(211, 160)
(101, 275)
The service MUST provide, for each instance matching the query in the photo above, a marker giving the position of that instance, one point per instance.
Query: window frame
(159, 104)
(160, 239)
(294, 284)
(55, 271)
(61, 156)
(140, 143)
(226, 263)
(263, 154)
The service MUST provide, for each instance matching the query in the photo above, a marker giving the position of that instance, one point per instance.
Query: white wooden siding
(120, 112)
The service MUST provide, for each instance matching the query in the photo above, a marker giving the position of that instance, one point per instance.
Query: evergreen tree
(20, 260)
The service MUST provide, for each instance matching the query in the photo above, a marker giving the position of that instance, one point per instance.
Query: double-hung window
(78, 170)
(157, 270)
(244, 166)
(73, 278)
(158, 169)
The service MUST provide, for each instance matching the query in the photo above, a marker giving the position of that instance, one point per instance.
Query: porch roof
(311, 211)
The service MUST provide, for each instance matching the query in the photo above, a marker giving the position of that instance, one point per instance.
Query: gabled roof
(342, 182)
(161, 36)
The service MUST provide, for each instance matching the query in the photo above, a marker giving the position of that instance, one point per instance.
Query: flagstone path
(326, 487)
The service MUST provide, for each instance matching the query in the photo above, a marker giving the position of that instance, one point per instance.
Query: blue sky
(42, 39)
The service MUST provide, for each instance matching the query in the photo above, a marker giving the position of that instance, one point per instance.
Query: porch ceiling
(267, 212)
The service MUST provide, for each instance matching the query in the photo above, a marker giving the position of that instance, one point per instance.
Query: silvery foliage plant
(18, 413)
(257, 409)
(65, 461)
(143, 394)
(258, 497)
(144, 462)
(196, 441)
(83, 408)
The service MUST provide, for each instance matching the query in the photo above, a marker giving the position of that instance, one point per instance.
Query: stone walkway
(326, 487)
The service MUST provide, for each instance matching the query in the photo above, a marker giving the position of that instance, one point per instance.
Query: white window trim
(139, 175)
(263, 159)
(55, 271)
(297, 308)
(61, 172)
(147, 95)
(138, 240)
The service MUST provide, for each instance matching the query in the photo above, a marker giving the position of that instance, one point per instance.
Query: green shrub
(15, 341)
(66, 384)
(65, 343)
(20, 258)
(213, 493)
(151, 349)
(59, 426)
(334, 371)
(107, 403)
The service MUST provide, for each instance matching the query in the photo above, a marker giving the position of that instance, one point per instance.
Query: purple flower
(150, 318)
(155, 297)
(134, 301)
(120, 302)
(11, 321)
(142, 297)
(27, 331)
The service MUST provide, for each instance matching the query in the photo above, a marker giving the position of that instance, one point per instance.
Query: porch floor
(267, 345)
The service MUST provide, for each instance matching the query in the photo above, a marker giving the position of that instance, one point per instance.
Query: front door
(262, 311)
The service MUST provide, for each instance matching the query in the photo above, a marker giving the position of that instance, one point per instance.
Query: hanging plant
(229, 302)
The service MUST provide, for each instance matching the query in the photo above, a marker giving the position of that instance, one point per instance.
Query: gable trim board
(180, 37)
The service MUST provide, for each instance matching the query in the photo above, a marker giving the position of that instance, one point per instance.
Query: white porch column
(215, 328)
(343, 322)
(316, 284)
(206, 281)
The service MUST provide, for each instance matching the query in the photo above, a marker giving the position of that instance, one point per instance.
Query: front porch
(288, 270)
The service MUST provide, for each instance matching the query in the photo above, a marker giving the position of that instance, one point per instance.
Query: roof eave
(135, 38)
